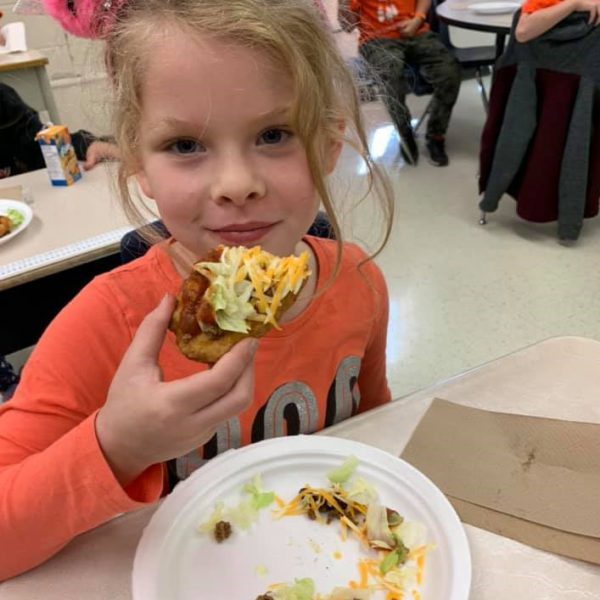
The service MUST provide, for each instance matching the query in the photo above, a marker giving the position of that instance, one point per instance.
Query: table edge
(497, 29)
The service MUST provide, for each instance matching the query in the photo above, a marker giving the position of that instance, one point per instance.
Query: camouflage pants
(437, 66)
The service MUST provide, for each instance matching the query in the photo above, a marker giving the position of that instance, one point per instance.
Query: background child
(396, 32)
(538, 16)
(230, 115)
(19, 151)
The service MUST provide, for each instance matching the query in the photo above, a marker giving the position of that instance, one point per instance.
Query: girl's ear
(334, 149)
(333, 153)
(144, 184)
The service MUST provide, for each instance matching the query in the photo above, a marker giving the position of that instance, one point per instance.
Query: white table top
(71, 225)
(556, 378)
(22, 60)
(458, 13)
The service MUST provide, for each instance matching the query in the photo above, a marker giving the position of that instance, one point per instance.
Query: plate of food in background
(15, 216)
(304, 517)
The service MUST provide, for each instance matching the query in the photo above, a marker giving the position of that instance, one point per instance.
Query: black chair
(419, 86)
(369, 89)
(475, 58)
(135, 243)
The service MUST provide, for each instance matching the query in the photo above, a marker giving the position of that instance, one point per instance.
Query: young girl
(539, 16)
(230, 115)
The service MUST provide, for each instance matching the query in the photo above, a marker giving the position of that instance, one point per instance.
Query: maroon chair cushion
(535, 187)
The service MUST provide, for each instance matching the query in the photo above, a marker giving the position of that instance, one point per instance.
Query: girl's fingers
(238, 399)
(149, 337)
(89, 163)
(201, 389)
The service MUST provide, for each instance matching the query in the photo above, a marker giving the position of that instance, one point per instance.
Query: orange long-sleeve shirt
(531, 6)
(323, 366)
(380, 18)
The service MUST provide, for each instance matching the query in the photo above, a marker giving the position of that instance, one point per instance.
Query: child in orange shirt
(392, 34)
(539, 16)
(230, 115)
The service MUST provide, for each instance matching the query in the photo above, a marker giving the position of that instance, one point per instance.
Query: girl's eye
(185, 147)
(273, 136)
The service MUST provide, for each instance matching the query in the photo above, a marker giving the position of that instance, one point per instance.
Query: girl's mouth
(243, 233)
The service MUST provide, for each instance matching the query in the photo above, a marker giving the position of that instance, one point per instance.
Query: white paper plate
(174, 561)
(494, 8)
(23, 209)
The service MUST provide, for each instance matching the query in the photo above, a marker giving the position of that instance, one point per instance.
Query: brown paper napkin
(531, 479)
(12, 193)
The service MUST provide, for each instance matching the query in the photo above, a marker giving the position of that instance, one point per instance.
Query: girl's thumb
(150, 335)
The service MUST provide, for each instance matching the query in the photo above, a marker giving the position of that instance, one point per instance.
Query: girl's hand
(591, 6)
(409, 27)
(98, 152)
(147, 421)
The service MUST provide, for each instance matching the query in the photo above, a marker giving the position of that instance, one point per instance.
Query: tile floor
(462, 294)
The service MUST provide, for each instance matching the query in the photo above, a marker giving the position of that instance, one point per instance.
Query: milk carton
(59, 155)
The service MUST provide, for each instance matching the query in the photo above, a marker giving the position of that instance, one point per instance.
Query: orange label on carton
(59, 155)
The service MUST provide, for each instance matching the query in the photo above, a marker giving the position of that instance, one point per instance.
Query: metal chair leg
(422, 117)
(482, 218)
(482, 90)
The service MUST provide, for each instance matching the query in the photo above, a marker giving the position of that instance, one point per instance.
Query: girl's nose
(236, 180)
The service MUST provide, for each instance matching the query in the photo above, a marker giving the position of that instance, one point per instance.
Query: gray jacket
(572, 46)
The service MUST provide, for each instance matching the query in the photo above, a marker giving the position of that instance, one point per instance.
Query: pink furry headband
(84, 18)
(87, 18)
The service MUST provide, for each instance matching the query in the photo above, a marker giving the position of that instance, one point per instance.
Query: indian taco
(232, 294)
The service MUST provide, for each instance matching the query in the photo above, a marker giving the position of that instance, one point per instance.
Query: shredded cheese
(420, 569)
(321, 504)
(272, 277)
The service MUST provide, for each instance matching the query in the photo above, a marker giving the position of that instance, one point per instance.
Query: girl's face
(217, 152)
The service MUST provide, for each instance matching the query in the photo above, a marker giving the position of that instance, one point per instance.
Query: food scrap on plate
(393, 549)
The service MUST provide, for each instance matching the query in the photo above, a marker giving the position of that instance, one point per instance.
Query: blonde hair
(295, 35)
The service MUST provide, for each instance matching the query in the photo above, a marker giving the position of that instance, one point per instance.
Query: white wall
(75, 71)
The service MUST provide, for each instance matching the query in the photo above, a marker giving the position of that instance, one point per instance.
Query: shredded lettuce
(389, 562)
(230, 299)
(246, 512)
(231, 302)
(412, 533)
(260, 498)
(343, 472)
(218, 514)
(16, 217)
(303, 589)
(361, 491)
(244, 515)
(404, 577)
(378, 530)
(396, 557)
